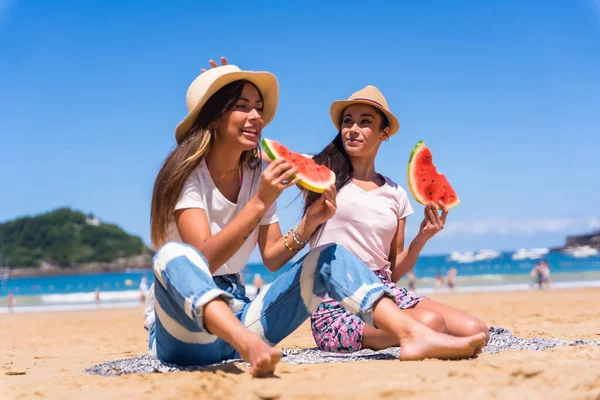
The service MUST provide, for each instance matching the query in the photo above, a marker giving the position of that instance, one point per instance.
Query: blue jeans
(184, 285)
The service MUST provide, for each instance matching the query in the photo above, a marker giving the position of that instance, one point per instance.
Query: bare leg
(457, 322)
(417, 341)
(220, 321)
(376, 339)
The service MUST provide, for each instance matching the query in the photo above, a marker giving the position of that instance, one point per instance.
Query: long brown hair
(186, 157)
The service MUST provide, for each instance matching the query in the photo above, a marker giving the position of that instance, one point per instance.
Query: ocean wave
(483, 277)
(513, 287)
(67, 307)
(90, 297)
(426, 290)
(112, 297)
(469, 278)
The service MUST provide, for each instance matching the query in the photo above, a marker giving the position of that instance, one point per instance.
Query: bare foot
(260, 355)
(426, 343)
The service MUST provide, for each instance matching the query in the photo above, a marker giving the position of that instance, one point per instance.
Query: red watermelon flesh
(425, 183)
(315, 177)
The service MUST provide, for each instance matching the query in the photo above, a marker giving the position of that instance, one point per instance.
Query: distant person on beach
(11, 302)
(370, 222)
(97, 295)
(546, 273)
(541, 274)
(536, 274)
(451, 278)
(213, 202)
(439, 281)
(412, 281)
(258, 283)
(143, 289)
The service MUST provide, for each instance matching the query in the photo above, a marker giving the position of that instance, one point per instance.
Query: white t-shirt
(199, 191)
(365, 222)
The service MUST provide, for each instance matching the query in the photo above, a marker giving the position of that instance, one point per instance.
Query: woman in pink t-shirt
(369, 221)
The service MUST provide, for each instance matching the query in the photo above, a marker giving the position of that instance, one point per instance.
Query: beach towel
(501, 339)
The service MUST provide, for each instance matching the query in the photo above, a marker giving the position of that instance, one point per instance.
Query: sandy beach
(44, 354)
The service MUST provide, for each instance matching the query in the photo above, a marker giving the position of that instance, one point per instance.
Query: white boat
(582, 251)
(470, 256)
(487, 254)
(530, 254)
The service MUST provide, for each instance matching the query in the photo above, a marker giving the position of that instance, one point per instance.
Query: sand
(43, 356)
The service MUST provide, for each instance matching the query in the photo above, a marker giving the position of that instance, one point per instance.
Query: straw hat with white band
(369, 95)
(209, 82)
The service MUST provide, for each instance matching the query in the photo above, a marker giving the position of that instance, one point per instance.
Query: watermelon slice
(315, 177)
(425, 183)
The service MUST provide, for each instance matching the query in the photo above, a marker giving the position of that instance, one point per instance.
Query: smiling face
(241, 126)
(362, 131)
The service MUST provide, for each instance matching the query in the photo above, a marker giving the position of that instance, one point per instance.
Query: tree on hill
(64, 237)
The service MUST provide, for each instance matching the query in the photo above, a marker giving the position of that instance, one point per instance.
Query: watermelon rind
(412, 179)
(268, 149)
(312, 185)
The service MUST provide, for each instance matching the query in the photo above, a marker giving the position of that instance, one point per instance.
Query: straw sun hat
(209, 82)
(369, 95)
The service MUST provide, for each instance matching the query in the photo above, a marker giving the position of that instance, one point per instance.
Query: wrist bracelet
(287, 246)
(297, 238)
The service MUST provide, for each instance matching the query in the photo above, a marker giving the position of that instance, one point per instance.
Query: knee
(318, 261)
(434, 320)
(475, 326)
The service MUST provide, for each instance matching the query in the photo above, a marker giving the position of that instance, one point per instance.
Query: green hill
(64, 237)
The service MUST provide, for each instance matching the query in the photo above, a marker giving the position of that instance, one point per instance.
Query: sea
(482, 271)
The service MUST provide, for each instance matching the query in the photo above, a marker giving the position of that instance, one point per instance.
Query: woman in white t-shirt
(213, 202)
(369, 221)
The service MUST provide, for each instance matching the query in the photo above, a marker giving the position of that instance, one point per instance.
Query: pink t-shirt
(365, 222)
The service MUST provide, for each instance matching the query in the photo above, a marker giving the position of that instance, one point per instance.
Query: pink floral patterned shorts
(339, 331)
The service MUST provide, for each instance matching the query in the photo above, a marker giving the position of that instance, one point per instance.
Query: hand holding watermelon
(432, 222)
(277, 177)
(321, 210)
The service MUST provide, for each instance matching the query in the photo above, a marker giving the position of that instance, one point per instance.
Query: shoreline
(81, 301)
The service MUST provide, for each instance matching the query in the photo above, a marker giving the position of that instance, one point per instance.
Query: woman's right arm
(194, 229)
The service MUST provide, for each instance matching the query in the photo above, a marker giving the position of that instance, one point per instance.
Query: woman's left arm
(403, 260)
(277, 249)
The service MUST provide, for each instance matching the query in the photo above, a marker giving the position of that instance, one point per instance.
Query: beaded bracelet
(297, 238)
(287, 246)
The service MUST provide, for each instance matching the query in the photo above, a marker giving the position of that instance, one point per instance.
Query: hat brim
(266, 83)
(337, 107)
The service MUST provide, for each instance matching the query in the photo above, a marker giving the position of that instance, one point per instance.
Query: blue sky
(506, 94)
